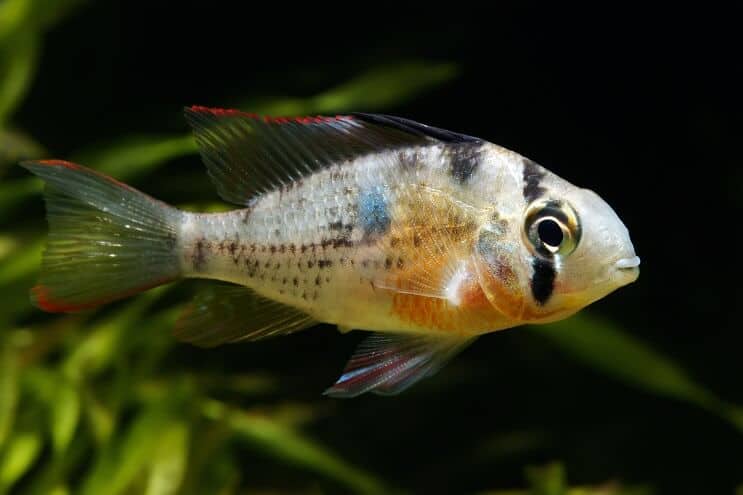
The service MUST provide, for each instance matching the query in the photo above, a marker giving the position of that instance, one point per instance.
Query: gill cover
(501, 273)
(517, 268)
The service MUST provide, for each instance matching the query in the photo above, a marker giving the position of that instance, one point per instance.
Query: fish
(428, 238)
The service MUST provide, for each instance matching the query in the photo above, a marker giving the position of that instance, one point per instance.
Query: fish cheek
(500, 275)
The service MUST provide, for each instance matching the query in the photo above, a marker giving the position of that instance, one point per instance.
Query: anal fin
(388, 364)
(230, 313)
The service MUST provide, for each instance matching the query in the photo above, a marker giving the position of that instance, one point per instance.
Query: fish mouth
(627, 263)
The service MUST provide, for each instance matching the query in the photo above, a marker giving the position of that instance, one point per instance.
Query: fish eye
(552, 228)
(550, 233)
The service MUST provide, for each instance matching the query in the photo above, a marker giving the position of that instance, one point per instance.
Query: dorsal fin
(416, 128)
(247, 154)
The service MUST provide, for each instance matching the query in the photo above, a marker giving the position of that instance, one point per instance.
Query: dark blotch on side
(533, 175)
(409, 159)
(373, 214)
(543, 280)
(463, 161)
(198, 257)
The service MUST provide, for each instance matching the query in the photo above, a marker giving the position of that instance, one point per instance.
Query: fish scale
(306, 245)
(371, 222)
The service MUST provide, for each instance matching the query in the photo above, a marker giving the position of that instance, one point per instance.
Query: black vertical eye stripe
(464, 160)
(533, 175)
(543, 280)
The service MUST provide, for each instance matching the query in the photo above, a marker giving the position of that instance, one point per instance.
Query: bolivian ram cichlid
(364, 221)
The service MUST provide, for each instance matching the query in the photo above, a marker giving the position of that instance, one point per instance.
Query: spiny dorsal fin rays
(225, 313)
(389, 364)
(412, 127)
(246, 154)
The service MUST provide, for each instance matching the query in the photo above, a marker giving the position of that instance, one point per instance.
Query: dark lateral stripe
(543, 280)
(533, 175)
(463, 161)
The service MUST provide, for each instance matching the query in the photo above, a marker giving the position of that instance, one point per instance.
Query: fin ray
(246, 154)
(230, 313)
(434, 230)
(389, 364)
(106, 240)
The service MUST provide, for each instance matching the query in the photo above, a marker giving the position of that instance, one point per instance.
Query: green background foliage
(107, 402)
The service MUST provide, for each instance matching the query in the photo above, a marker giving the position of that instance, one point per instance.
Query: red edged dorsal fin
(247, 154)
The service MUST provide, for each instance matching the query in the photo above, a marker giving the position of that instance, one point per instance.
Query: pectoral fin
(430, 244)
(389, 364)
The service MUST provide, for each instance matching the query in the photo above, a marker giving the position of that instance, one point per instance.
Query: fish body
(336, 243)
(364, 221)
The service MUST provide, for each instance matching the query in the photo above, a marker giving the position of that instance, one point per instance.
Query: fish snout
(627, 263)
(627, 269)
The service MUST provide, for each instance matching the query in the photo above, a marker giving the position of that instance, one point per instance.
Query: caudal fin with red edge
(106, 240)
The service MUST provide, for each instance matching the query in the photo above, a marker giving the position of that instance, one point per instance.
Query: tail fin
(106, 241)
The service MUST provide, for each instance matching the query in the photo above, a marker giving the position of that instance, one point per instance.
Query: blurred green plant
(22, 25)
(551, 480)
(603, 345)
(85, 405)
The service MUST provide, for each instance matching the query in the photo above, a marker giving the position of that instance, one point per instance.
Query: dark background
(642, 106)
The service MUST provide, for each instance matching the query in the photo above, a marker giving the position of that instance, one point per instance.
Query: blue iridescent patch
(373, 214)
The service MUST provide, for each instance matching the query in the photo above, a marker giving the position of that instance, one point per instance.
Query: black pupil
(550, 233)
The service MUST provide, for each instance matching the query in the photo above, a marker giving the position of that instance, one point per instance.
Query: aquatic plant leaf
(21, 264)
(15, 191)
(384, 87)
(64, 413)
(376, 89)
(547, 480)
(212, 466)
(61, 400)
(55, 472)
(167, 465)
(130, 158)
(285, 443)
(127, 457)
(32, 15)
(22, 450)
(105, 340)
(8, 245)
(604, 346)
(16, 146)
(610, 489)
(18, 62)
(99, 418)
(13, 13)
(9, 389)
(17, 272)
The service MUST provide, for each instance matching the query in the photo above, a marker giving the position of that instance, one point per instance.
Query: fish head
(561, 250)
